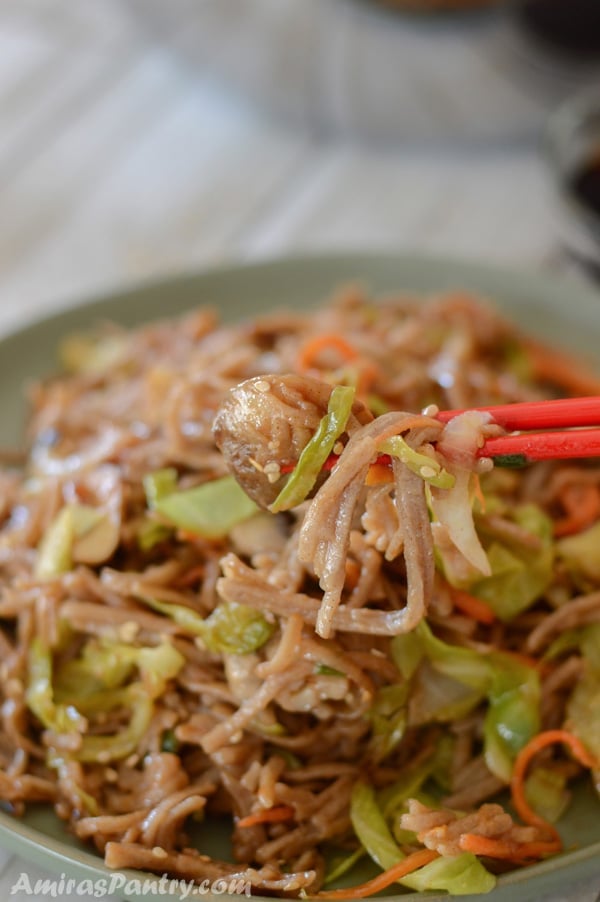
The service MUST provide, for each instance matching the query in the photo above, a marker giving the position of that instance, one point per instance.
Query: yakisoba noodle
(357, 676)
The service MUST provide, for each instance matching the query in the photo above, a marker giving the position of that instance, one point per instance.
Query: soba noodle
(306, 675)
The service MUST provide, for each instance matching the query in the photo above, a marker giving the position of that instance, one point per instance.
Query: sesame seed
(128, 631)
(272, 471)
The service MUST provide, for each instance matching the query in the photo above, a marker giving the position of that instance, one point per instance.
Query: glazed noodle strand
(354, 664)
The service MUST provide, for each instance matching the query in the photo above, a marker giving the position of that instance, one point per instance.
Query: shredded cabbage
(519, 575)
(341, 865)
(388, 718)
(54, 554)
(106, 665)
(371, 828)
(546, 792)
(581, 554)
(88, 353)
(236, 629)
(437, 697)
(104, 749)
(585, 699)
(513, 716)
(209, 510)
(463, 874)
(583, 704)
(78, 533)
(159, 484)
(156, 665)
(60, 718)
(407, 652)
(231, 628)
(151, 533)
(93, 684)
(306, 472)
(428, 468)
(511, 689)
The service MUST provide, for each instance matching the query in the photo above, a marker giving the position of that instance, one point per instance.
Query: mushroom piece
(264, 424)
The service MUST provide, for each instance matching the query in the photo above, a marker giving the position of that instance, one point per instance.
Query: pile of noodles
(136, 722)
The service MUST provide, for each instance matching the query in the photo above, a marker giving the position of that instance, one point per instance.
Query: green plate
(559, 310)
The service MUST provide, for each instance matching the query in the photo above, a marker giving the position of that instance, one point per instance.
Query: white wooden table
(122, 159)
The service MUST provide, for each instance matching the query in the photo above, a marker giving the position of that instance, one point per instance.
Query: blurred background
(140, 138)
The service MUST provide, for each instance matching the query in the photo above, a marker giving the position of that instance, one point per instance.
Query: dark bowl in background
(569, 27)
(573, 148)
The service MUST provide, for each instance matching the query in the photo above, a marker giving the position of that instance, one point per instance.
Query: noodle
(266, 668)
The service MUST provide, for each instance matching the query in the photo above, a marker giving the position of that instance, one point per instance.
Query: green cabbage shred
(304, 476)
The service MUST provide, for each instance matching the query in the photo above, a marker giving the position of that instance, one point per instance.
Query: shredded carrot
(379, 474)
(186, 535)
(473, 607)
(581, 502)
(352, 574)
(309, 352)
(560, 369)
(267, 816)
(478, 492)
(368, 374)
(499, 848)
(535, 745)
(382, 881)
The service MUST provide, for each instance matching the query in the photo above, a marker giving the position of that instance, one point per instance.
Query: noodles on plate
(343, 667)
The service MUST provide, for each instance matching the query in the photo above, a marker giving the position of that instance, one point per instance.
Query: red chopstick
(529, 445)
(532, 446)
(525, 445)
(530, 415)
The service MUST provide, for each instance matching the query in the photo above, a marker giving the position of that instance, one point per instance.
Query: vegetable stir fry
(217, 604)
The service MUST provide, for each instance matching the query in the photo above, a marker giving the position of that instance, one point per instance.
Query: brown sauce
(585, 183)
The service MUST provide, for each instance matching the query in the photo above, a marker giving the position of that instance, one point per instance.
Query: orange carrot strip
(473, 607)
(523, 759)
(267, 816)
(352, 574)
(382, 881)
(369, 373)
(561, 369)
(186, 535)
(582, 505)
(498, 848)
(484, 845)
(379, 474)
(310, 351)
(478, 492)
